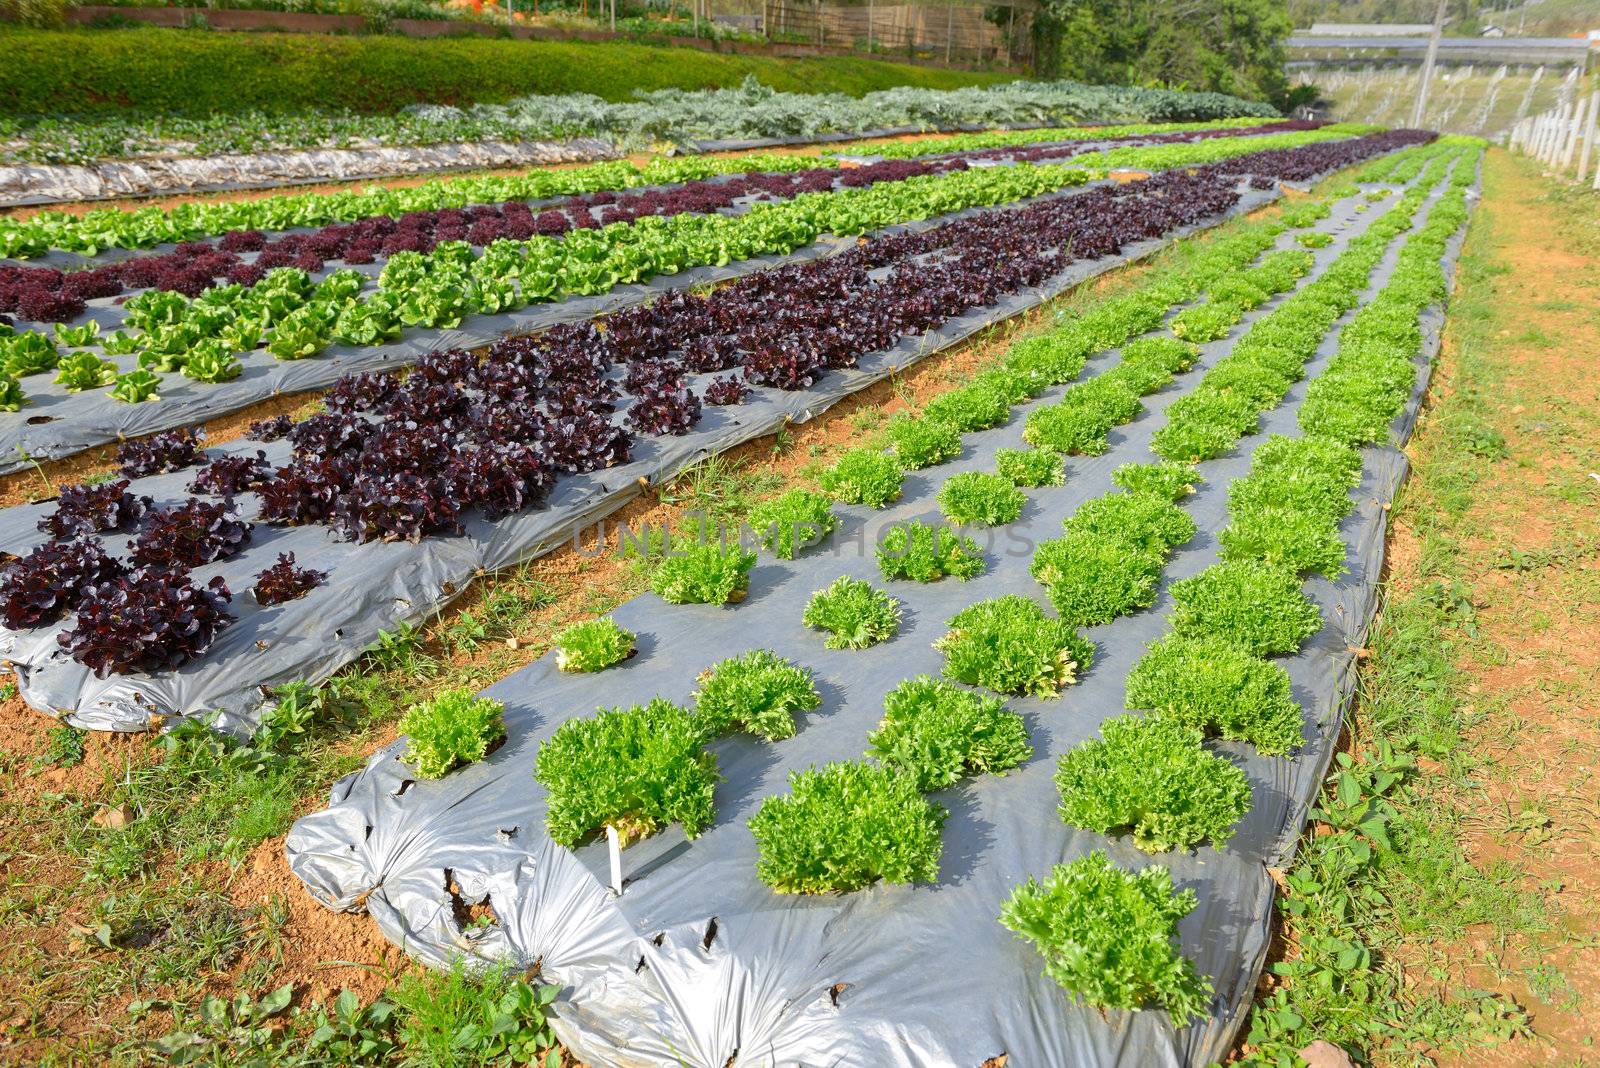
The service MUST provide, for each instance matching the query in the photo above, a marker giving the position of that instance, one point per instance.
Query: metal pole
(1588, 135)
(1427, 64)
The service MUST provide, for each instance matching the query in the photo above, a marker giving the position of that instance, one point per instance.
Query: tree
(1227, 46)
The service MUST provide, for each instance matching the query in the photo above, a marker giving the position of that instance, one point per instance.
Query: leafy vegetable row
(1258, 372)
(441, 288)
(391, 459)
(1211, 675)
(103, 228)
(851, 823)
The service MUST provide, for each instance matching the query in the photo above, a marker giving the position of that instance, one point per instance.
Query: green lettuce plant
(450, 730)
(937, 733)
(845, 826)
(853, 613)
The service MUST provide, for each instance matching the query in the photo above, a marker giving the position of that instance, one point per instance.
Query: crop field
(919, 600)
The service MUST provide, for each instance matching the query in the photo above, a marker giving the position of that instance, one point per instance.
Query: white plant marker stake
(614, 847)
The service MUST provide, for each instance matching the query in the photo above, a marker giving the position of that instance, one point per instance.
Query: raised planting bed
(455, 294)
(374, 584)
(723, 942)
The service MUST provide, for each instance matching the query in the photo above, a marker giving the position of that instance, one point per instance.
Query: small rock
(512, 643)
(114, 818)
(1321, 1054)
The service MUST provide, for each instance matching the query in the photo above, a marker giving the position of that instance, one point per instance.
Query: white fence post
(1588, 135)
(1580, 116)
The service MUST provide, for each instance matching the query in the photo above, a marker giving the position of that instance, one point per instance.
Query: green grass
(107, 71)
(1388, 871)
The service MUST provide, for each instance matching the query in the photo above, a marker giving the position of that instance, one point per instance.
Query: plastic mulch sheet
(697, 963)
(375, 586)
(61, 183)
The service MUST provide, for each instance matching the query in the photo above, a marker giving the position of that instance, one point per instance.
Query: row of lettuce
(90, 232)
(1105, 934)
(292, 316)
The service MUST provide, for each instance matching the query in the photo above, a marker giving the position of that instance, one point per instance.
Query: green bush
(1010, 646)
(853, 613)
(937, 732)
(1031, 467)
(922, 443)
(1206, 322)
(981, 498)
(136, 387)
(703, 572)
(758, 692)
(451, 729)
(636, 769)
(592, 645)
(1164, 479)
(494, 1017)
(1283, 537)
(1153, 778)
(863, 476)
(845, 826)
(789, 524)
(1215, 686)
(1107, 935)
(924, 552)
(186, 71)
(1256, 606)
(27, 353)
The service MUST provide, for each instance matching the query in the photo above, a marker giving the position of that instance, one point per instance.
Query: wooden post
(816, 8)
(869, 27)
(949, 30)
(613, 16)
(1427, 64)
(1588, 135)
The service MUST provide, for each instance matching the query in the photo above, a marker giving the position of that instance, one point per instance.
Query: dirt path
(1471, 935)
(1527, 545)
